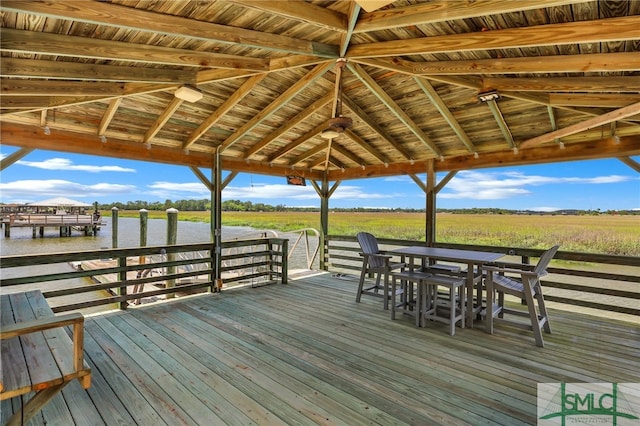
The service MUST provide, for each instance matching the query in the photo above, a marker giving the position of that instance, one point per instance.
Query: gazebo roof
(560, 80)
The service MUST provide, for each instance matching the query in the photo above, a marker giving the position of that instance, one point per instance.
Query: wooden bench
(36, 352)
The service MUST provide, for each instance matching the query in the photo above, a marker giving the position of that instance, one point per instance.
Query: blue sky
(601, 184)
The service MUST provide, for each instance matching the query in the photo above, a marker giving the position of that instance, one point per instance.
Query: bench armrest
(26, 327)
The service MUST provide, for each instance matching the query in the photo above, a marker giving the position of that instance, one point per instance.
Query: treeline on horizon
(248, 206)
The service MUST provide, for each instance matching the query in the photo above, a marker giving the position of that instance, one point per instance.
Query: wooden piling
(114, 227)
(172, 236)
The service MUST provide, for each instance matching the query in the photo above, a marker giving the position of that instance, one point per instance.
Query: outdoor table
(469, 257)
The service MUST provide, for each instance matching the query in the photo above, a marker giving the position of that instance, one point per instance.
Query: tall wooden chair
(374, 262)
(528, 288)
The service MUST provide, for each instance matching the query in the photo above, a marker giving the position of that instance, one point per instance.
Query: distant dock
(66, 223)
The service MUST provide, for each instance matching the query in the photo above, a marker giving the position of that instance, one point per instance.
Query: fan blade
(371, 5)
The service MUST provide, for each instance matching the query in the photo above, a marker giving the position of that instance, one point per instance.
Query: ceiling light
(329, 133)
(103, 139)
(46, 130)
(188, 94)
(490, 95)
(476, 155)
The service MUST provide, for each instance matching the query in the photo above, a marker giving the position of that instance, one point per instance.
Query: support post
(114, 227)
(324, 222)
(216, 209)
(430, 208)
(172, 236)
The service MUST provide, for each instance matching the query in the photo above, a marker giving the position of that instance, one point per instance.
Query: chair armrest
(509, 270)
(26, 327)
(384, 256)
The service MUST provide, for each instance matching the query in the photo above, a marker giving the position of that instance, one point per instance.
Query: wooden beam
(595, 62)
(40, 102)
(604, 148)
(585, 125)
(108, 115)
(31, 68)
(285, 97)
(502, 124)
(393, 107)
(162, 119)
(444, 10)
(290, 124)
(306, 13)
(444, 181)
(202, 178)
(296, 143)
(631, 163)
(22, 87)
(12, 158)
(595, 100)
(362, 115)
(347, 153)
(596, 31)
(110, 14)
(444, 111)
(306, 154)
(345, 40)
(223, 109)
(35, 42)
(366, 146)
(31, 137)
(563, 84)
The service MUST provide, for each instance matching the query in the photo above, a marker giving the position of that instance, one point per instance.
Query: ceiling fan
(337, 124)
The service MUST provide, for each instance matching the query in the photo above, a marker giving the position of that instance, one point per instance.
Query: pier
(87, 224)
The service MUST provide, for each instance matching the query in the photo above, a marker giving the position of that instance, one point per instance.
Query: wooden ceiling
(99, 78)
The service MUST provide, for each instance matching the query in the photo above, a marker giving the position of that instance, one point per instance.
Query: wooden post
(144, 215)
(324, 222)
(216, 208)
(285, 261)
(122, 277)
(114, 227)
(430, 213)
(172, 236)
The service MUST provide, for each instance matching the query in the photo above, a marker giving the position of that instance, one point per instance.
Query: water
(22, 241)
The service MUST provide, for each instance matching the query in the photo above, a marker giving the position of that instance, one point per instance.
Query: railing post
(114, 227)
(122, 277)
(285, 261)
(172, 234)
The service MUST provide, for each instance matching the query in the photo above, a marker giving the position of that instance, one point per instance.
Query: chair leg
(361, 283)
(533, 313)
(543, 311)
(488, 316)
(452, 310)
(393, 297)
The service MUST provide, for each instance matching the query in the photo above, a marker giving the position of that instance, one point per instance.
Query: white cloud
(67, 165)
(501, 185)
(178, 191)
(33, 190)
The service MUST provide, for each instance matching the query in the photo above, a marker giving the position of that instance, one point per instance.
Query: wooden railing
(596, 281)
(118, 276)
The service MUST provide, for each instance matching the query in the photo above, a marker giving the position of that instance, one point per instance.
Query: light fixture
(103, 139)
(616, 139)
(490, 95)
(189, 94)
(561, 144)
(476, 155)
(515, 150)
(46, 130)
(441, 158)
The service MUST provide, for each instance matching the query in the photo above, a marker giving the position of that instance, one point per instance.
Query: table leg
(469, 288)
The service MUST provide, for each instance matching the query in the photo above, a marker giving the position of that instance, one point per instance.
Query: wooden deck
(306, 353)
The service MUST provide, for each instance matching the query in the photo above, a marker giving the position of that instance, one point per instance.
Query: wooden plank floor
(306, 353)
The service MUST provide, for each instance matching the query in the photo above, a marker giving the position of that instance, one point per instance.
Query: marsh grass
(605, 234)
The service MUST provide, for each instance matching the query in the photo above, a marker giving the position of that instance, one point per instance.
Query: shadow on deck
(306, 353)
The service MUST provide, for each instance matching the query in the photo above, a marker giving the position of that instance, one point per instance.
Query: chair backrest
(369, 245)
(541, 267)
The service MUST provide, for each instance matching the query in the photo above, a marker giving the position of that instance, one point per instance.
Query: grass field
(604, 234)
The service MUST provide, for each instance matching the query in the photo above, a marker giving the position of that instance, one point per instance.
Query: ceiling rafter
(442, 108)
(502, 124)
(596, 31)
(223, 109)
(366, 146)
(594, 62)
(598, 100)
(35, 88)
(300, 11)
(444, 10)
(122, 16)
(306, 154)
(629, 84)
(34, 42)
(290, 124)
(108, 115)
(63, 70)
(585, 125)
(394, 107)
(362, 115)
(296, 143)
(346, 153)
(292, 91)
(162, 119)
